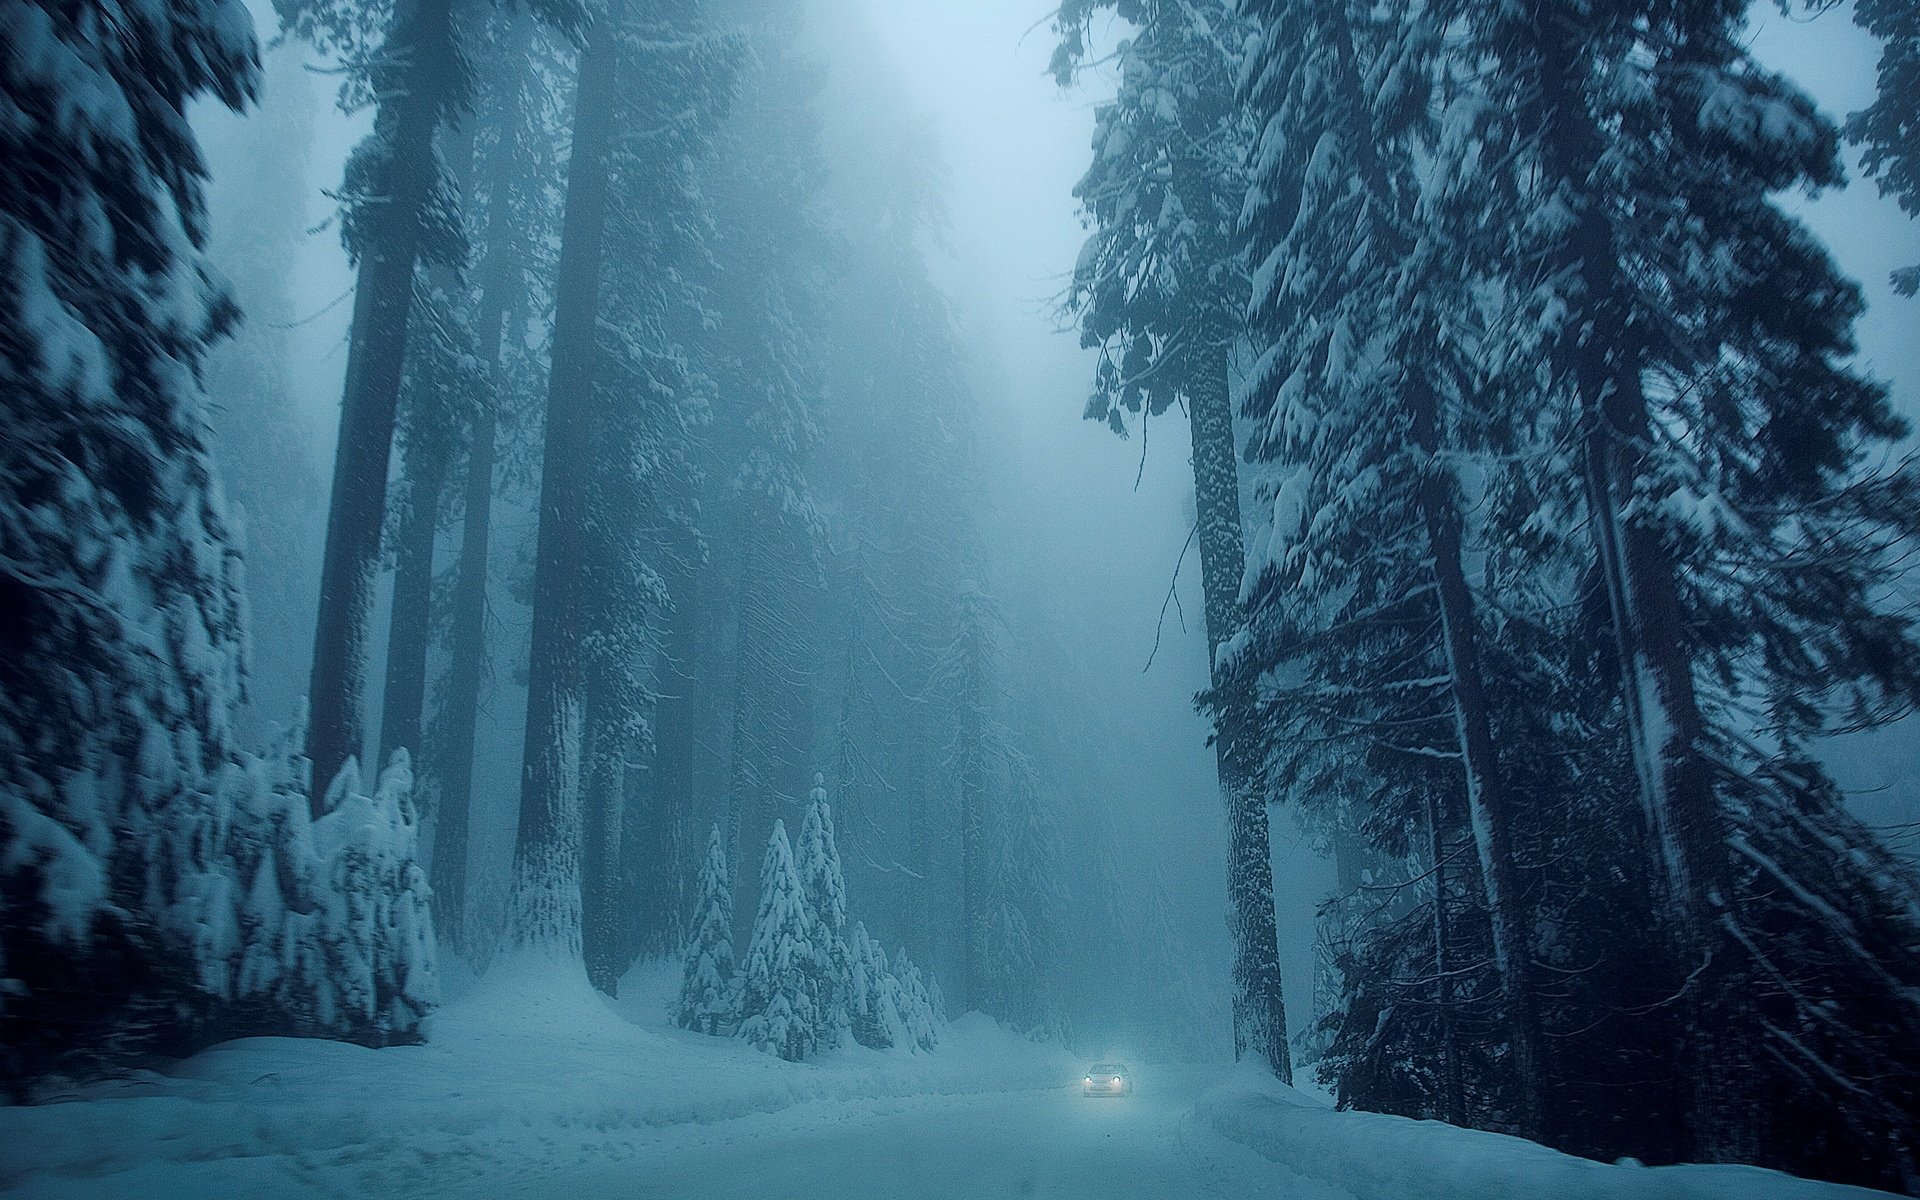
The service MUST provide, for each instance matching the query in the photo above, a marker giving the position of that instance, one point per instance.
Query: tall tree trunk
(1686, 832)
(467, 659)
(1259, 1010)
(663, 861)
(745, 784)
(546, 870)
(423, 38)
(410, 623)
(602, 907)
(1488, 805)
(502, 295)
(1451, 1102)
(917, 879)
(973, 867)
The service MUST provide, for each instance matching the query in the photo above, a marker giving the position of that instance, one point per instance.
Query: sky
(1099, 524)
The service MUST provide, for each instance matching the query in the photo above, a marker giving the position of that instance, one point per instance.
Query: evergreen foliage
(1160, 289)
(1885, 128)
(786, 978)
(1562, 435)
(707, 990)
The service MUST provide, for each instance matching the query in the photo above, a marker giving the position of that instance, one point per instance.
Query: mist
(938, 598)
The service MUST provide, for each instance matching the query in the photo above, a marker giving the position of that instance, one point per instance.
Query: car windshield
(1106, 1069)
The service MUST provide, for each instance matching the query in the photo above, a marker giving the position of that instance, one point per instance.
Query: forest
(715, 597)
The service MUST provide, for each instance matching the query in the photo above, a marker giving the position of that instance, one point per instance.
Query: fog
(959, 598)
(1093, 526)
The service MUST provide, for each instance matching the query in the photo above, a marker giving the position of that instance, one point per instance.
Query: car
(1107, 1079)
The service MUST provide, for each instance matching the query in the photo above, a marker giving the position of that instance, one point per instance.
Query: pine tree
(1741, 540)
(514, 213)
(650, 401)
(399, 213)
(921, 1012)
(786, 974)
(1160, 290)
(121, 665)
(873, 994)
(707, 989)
(825, 889)
(1366, 398)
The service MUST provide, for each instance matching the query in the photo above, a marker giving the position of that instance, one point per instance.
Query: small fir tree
(825, 889)
(785, 970)
(707, 986)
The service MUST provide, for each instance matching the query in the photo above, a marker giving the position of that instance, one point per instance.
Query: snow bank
(1377, 1157)
(527, 1071)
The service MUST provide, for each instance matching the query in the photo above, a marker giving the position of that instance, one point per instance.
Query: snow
(528, 1074)
(1372, 1156)
(531, 1084)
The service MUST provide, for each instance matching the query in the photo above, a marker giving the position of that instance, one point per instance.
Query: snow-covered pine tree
(707, 987)
(121, 660)
(1742, 539)
(1023, 903)
(921, 1009)
(874, 1002)
(785, 975)
(763, 355)
(1160, 289)
(677, 79)
(1367, 393)
(825, 889)
(896, 466)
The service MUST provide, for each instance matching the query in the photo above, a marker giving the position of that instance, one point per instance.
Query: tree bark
(1259, 1008)
(547, 872)
(1451, 1103)
(663, 860)
(1488, 805)
(502, 294)
(1685, 827)
(410, 624)
(424, 38)
(467, 665)
(602, 800)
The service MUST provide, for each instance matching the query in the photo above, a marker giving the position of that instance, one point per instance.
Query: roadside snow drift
(1373, 1156)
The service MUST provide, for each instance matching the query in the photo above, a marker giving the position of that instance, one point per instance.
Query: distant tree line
(640, 414)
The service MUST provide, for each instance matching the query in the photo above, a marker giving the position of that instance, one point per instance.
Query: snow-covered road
(534, 1087)
(1050, 1142)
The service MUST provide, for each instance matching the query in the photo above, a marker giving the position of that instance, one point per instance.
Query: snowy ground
(532, 1090)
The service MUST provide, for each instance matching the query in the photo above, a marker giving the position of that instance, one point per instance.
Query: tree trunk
(410, 625)
(973, 868)
(664, 862)
(602, 901)
(545, 910)
(467, 660)
(502, 294)
(1259, 1010)
(1452, 1105)
(423, 37)
(745, 785)
(1685, 828)
(1488, 806)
